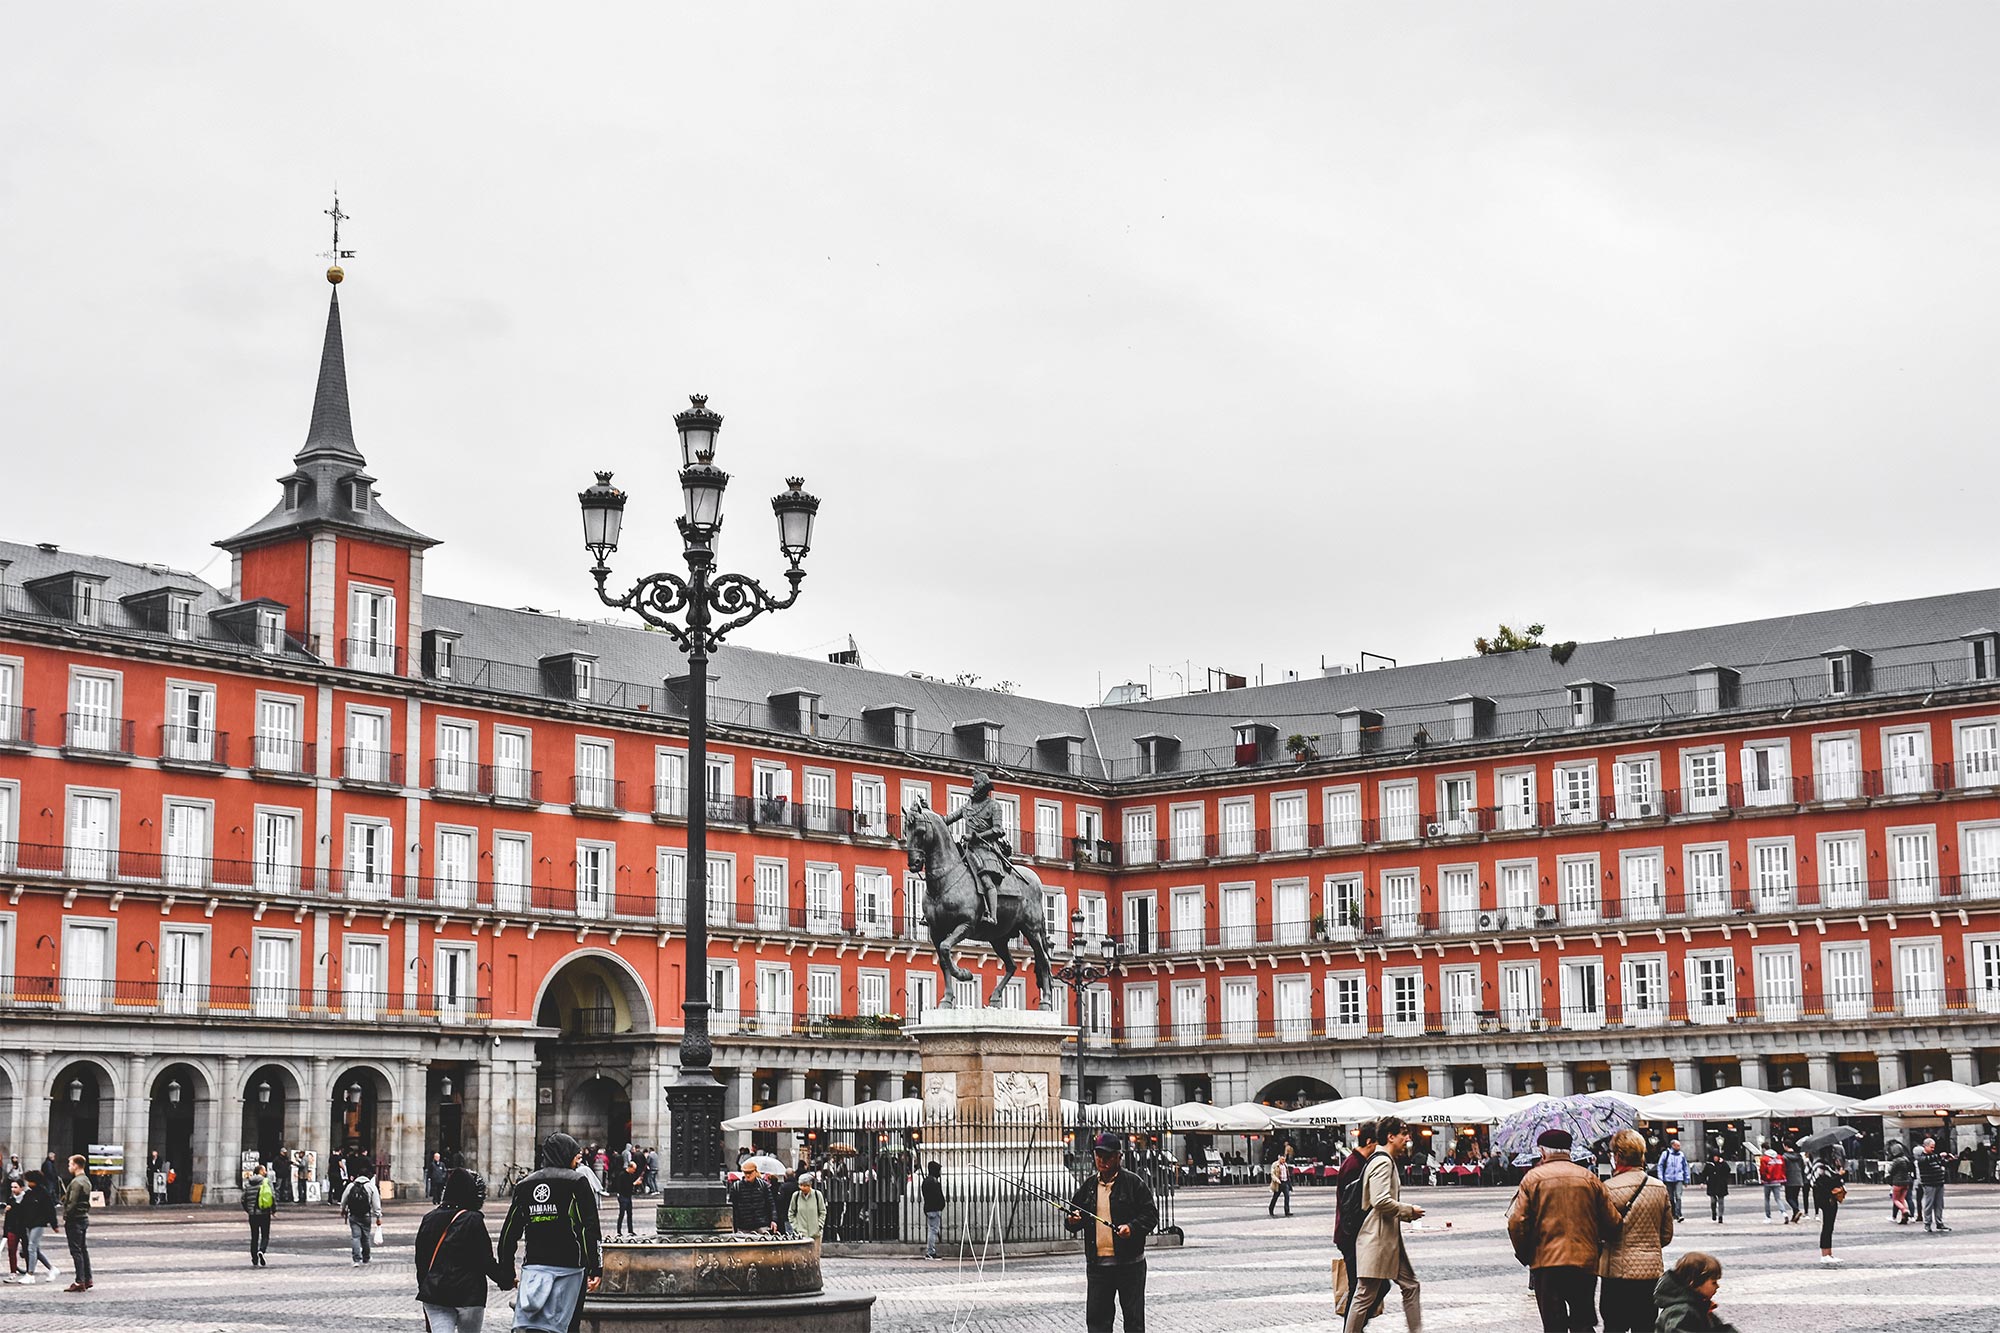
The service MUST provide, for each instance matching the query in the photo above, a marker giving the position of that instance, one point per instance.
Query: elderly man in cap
(1114, 1210)
(1559, 1222)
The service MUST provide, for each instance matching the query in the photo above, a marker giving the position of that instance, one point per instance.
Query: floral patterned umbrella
(1588, 1117)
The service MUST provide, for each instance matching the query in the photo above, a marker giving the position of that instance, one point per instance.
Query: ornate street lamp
(1079, 972)
(76, 1089)
(444, 1086)
(174, 1092)
(264, 1093)
(694, 1198)
(354, 1094)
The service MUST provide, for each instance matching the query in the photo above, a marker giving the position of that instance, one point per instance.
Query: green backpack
(266, 1200)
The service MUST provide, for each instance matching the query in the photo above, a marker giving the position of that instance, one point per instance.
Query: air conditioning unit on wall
(1434, 830)
(1545, 915)
(1492, 921)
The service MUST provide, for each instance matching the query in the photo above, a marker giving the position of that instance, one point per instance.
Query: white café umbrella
(805, 1113)
(1525, 1100)
(1936, 1099)
(1811, 1101)
(1467, 1108)
(1661, 1105)
(1729, 1104)
(1126, 1114)
(1255, 1117)
(1199, 1118)
(1340, 1111)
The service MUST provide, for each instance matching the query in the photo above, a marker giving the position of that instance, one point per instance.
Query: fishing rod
(1021, 1182)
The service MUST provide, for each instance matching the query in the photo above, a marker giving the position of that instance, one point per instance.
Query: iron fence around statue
(1006, 1179)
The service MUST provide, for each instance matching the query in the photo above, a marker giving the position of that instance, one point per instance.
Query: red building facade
(322, 858)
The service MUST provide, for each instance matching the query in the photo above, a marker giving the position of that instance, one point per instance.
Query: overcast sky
(1110, 335)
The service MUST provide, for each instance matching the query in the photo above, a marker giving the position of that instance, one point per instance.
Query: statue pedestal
(992, 1087)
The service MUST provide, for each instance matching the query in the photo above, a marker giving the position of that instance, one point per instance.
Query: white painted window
(189, 735)
(1582, 983)
(1919, 978)
(12, 727)
(770, 893)
(1582, 898)
(1055, 916)
(725, 998)
(871, 992)
(1239, 1009)
(1348, 1003)
(1291, 911)
(93, 709)
(187, 844)
(1239, 828)
(1644, 986)
(1140, 846)
(1778, 983)
(270, 631)
(510, 871)
(1288, 822)
(1767, 776)
(370, 858)
(1707, 880)
(719, 788)
(1576, 793)
(1847, 981)
(1711, 981)
(1979, 861)
(1095, 915)
(1773, 883)
(1293, 1000)
(1837, 768)
(451, 981)
(371, 629)
(1842, 870)
(1458, 896)
(87, 961)
(457, 762)
(594, 883)
(872, 910)
(1913, 865)
(719, 888)
(367, 746)
(774, 998)
(1459, 987)
(1399, 811)
(183, 970)
(1096, 1005)
(1517, 799)
(1239, 916)
(1141, 935)
(1345, 911)
(823, 899)
(1520, 996)
(1703, 784)
(455, 857)
(1978, 754)
(582, 678)
(277, 739)
(1909, 761)
(1984, 973)
(1518, 893)
(1457, 799)
(1403, 1011)
(1188, 841)
(1637, 787)
(273, 974)
(593, 775)
(822, 992)
(914, 890)
(1343, 816)
(1142, 1015)
(362, 990)
(1400, 904)
(1644, 876)
(670, 777)
(1048, 830)
(1190, 999)
(1189, 907)
(871, 808)
(819, 801)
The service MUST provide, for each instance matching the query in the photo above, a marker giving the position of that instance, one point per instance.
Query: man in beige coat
(1379, 1256)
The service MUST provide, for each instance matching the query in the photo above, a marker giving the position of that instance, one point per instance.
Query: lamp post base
(692, 1207)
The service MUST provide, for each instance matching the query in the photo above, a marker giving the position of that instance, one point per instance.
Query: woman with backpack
(455, 1257)
(260, 1201)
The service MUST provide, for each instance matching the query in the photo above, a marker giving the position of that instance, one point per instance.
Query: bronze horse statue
(951, 904)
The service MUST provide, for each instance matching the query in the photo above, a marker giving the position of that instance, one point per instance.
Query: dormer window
(796, 708)
(1846, 672)
(1979, 655)
(979, 739)
(296, 490)
(894, 725)
(1157, 754)
(583, 678)
(270, 631)
(1589, 703)
(357, 495)
(85, 604)
(180, 616)
(440, 654)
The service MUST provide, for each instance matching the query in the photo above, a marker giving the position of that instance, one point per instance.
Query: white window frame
(189, 865)
(1342, 822)
(596, 878)
(1767, 772)
(1841, 999)
(1636, 785)
(1142, 835)
(452, 1006)
(1458, 897)
(274, 998)
(1347, 1003)
(1515, 793)
(1397, 823)
(1777, 1004)
(1834, 781)
(1457, 804)
(1401, 1018)
(1289, 830)
(508, 896)
(285, 753)
(1915, 998)
(1704, 780)
(1912, 879)
(1978, 872)
(1972, 767)
(1643, 1005)
(1717, 900)
(1345, 906)
(1576, 792)
(1837, 890)
(1582, 1012)
(361, 1004)
(81, 993)
(1634, 904)
(1772, 865)
(1402, 896)
(1580, 889)
(456, 773)
(364, 883)
(1907, 775)
(89, 731)
(1140, 916)
(1236, 826)
(369, 763)
(670, 782)
(1702, 1007)
(371, 652)
(870, 794)
(1187, 831)
(189, 739)
(596, 789)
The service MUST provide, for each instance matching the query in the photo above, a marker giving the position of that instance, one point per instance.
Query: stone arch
(180, 1114)
(597, 1108)
(362, 1100)
(84, 1094)
(11, 1129)
(270, 1106)
(1297, 1090)
(594, 992)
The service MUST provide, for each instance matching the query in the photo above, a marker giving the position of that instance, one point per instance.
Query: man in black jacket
(555, 1209)
(1347, 1206)
(1114, 1210)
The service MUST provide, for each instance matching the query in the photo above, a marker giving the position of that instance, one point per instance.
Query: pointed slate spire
(331, 435)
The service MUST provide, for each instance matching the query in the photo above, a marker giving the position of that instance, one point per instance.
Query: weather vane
(334, 274)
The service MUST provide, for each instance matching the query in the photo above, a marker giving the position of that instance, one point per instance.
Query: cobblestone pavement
(186, 1271)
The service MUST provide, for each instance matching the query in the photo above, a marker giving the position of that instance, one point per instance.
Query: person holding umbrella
(1829, 1191)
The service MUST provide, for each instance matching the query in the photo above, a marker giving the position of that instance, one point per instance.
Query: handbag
(1840, 1194)
(1339, 1283)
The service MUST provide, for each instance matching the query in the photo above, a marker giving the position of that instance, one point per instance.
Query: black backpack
(357, 1203)
(1347, 1203)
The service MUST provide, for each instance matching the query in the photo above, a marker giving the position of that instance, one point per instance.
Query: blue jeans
(357, 1240)
(933, 1233)
(1674, 1188)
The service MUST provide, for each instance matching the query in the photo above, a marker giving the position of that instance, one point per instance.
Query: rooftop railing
(93, 996)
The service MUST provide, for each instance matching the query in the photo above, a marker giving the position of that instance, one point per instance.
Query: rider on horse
(986, 849)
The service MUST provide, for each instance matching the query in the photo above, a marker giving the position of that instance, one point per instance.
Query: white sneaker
(26, 1279)
(1828, 1259)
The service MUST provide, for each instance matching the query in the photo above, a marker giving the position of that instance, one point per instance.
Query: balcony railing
(281, 756)
(194, 748)
(383, 659)
(93, 735)
(361, 766)
(155, 998)
(17, 727)
(595, 795)
(779, 813)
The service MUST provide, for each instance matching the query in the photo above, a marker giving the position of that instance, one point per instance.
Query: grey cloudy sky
(1110, 334)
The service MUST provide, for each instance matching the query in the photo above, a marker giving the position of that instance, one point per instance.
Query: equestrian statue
(976, 891)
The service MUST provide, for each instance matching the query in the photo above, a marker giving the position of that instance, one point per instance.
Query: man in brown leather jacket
(1559, 1221)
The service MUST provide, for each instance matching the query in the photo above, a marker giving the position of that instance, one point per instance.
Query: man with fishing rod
(1114, 1210)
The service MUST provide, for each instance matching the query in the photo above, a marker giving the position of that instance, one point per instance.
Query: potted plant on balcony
(1319, 926)
(1302, 748)
(1347, 922)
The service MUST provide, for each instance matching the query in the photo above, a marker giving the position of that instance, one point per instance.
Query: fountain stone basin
(719, 1283)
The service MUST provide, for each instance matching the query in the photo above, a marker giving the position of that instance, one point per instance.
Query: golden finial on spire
(336, 273)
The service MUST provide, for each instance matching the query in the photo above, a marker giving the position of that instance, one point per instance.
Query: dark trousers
(1826, 1216)
(1627, 1304)
(1567, 1298)
(78, 1229)
(260, 1235)
(1124, 1283)
(1353, 1275)
(624, 1222)
(1283, 1191)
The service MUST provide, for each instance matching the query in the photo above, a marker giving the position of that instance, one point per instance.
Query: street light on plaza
(1080, 972)
(688, 610)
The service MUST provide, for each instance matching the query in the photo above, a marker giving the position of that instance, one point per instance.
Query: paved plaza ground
(185, 1271)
